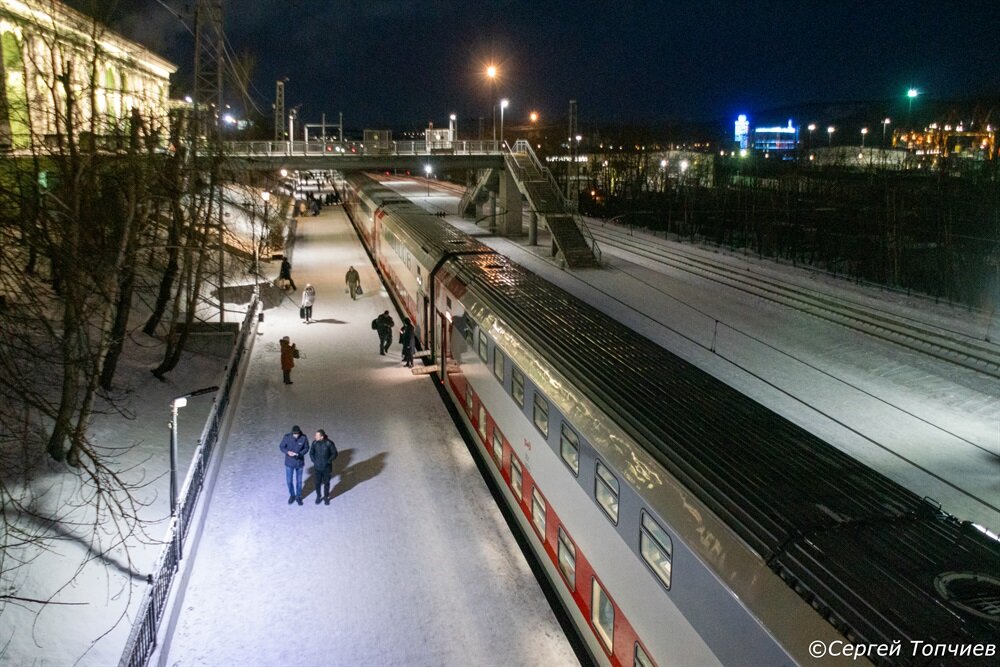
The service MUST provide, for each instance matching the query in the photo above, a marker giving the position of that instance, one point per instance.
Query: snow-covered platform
(410, 563)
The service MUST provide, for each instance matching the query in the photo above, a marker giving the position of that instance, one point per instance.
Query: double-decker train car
(679, 521)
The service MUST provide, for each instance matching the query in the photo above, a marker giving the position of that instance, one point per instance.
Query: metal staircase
(570, 234)
(476, 195)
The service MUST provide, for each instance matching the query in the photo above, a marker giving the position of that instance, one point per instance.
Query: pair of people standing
(295, 445)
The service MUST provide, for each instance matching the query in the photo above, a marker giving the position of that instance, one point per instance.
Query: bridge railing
(348, 148)
(142, 638)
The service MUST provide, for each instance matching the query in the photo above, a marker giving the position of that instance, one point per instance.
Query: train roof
(880, 563)
(825, 522)
(423, 228)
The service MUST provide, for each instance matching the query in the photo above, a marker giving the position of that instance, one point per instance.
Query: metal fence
(142, 639)
(356, 148)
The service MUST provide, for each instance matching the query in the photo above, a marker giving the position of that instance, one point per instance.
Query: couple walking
(295, 445)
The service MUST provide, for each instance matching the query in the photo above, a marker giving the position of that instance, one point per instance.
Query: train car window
(657, 548)
(498, 446)
(569, 448)
(517, 386)
(602, 615)
(498, 364)
(542, 414)
(484, 347)
(538, 512)
(567, 558)
(482, 421)
(516, 478)
(606, 490)
(642, 658)
(468, 399)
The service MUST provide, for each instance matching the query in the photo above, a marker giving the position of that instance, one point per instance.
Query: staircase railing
(523, 146)
(471, 194)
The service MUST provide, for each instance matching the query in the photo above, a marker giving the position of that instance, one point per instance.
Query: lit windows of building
(110, 76)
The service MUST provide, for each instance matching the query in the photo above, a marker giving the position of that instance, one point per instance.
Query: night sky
(406, 62)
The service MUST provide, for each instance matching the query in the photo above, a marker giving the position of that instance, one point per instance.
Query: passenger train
(680, 522)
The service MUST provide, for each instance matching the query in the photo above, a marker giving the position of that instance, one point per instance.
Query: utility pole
(209, 64)
(571, 165)
(279, 110)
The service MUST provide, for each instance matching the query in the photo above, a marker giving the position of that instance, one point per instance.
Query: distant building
(55, 59)
(954, 141)
(776, 139)
(437, 138)
(741, 133)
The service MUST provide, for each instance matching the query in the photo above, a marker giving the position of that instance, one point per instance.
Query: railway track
(949, 345)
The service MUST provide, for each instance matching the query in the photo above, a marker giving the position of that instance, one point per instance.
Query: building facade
(63, 73)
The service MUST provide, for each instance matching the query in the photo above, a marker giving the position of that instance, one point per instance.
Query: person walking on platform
(285, 275)
(308, 298)
(289, 353)
(295, 446)
(408, 338)
(384, 324)
(322, 452)
(353, 282)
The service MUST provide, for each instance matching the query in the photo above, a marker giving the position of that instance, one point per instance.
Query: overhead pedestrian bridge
(508, 178)
(414, 156)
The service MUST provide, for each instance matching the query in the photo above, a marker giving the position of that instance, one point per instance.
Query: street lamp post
(829, 133)
(175, 405)
(504, 103)
(811, 128)
(427, 171)
(911, 94)
(491, 73)
(864, 132)
(265, 226)
(885, 124)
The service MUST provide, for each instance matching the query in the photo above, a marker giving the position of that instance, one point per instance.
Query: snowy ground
(929, 425)
(410, 564)
(91, 621)
(102, 590)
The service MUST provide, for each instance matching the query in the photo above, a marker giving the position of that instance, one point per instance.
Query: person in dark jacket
(353, 281)
(384, 325)
(288, 354)
(322, 452)
(295, 446)
(408, 338)
(285, 273)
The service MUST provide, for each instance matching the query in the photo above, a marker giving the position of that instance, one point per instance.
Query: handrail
(142, 638)
(348, 148)
(523, 146)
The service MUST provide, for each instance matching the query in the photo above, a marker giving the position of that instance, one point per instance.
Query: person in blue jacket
(295, 446)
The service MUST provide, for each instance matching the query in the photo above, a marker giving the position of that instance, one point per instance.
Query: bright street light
(533, 116)
(829, 132)
(175, 405)
(491, 74)
(885, 124)
(427, 171)
(864, 131)
(911, 94)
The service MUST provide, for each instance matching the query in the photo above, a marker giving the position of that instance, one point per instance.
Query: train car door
(443, 344)
(425, 320)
